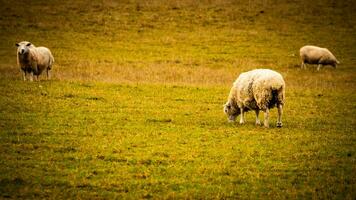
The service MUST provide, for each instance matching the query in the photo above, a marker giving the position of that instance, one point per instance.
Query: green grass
(135, 107)
(107, 140)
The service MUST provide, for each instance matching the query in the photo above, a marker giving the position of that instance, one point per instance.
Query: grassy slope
(156, 127)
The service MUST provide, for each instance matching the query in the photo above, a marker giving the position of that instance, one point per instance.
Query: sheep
(259, 89)
(33, 60)
(316, 55)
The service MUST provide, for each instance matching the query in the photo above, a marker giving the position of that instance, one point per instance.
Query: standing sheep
(316, 55)
(259, 89)
(33, 59)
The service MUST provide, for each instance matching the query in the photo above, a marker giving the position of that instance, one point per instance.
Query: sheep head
(231, 110)
(23, 48)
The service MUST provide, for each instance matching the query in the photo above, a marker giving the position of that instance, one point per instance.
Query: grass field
(134, 110)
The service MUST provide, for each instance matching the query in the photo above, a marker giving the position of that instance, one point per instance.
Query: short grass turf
(134, 109)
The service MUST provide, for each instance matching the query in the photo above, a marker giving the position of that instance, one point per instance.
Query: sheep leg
(302, 66)
(35, 71)
(280, 112)
(48, 74)
(31, 76)
(319, 66)
(266, 120)
(24, 75)
(257, 119)
(242, 120)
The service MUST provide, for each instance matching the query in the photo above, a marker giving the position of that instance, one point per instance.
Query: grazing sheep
(259, 89)
(316, 55)
(33, 60)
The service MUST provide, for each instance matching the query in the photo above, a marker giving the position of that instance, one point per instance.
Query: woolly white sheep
(33, 60)
(259, 89)
(316, 55)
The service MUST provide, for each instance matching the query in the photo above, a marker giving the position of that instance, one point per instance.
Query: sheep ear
(227, 105)
(29, 44)
(17, 44)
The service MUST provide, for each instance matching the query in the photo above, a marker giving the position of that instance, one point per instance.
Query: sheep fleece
(39, 58)
(258, 90)
(317, 55)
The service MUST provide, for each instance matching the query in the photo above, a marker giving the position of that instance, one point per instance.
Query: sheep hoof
(279, 124)
(258, 123)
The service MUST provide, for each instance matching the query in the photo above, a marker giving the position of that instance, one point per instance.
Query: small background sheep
(316, 55)
(259, 89)
(33, 60)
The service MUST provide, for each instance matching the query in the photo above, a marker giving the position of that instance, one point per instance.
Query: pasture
(134, 109)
